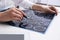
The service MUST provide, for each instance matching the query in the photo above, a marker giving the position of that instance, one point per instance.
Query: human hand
(45, 9)
(51, 10)
(11, 14)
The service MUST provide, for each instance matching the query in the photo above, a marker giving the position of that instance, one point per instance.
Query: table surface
(52, 32)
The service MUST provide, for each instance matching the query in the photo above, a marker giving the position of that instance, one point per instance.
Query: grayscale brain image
(35, 21)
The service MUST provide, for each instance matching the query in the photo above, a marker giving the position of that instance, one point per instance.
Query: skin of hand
(11, 14)
(49, 9)
(54, 9)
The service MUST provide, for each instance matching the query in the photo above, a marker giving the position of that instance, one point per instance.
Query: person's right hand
(11, 14)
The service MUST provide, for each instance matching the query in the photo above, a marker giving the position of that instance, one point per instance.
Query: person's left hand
(45, 9)
(51, 9)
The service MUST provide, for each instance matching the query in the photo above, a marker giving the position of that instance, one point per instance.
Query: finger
(14, 10)
(21, 12)
(17, 12)
(17, 19)
(54, 9)
(51, 11)
(17, 15)
(20, 17)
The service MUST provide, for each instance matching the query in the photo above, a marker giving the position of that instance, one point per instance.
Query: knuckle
(12, 13)
(13, 9)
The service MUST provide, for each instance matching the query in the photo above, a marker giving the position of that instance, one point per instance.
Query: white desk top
(52, 32)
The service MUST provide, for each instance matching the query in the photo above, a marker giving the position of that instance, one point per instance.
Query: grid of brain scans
(34, 21)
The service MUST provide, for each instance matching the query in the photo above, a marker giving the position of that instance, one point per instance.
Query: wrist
(37, 7)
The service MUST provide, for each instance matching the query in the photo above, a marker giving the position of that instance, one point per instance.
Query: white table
(52, 33)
